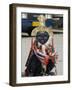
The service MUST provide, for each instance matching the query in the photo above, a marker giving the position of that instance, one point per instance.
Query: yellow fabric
(35, 23)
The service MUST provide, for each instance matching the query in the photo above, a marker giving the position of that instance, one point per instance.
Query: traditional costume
(41, 59)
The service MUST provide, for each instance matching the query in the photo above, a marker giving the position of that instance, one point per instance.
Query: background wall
(4, 44)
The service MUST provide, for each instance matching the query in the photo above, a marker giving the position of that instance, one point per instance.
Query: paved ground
(58, 43)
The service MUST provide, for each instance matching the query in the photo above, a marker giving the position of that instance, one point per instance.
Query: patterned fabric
(41, 29)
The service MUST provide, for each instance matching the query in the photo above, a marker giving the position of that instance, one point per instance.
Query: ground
(58, 44)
